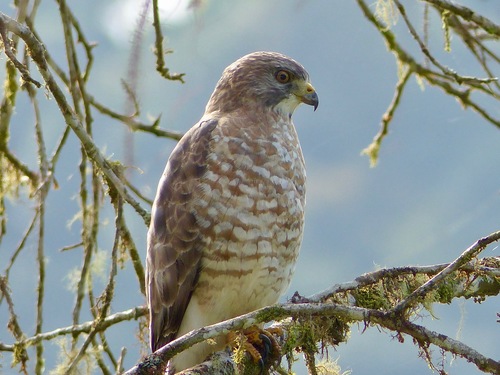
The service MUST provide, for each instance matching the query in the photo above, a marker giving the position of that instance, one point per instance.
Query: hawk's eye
(283, 76)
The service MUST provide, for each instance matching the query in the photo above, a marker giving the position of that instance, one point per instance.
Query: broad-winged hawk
(228, 216)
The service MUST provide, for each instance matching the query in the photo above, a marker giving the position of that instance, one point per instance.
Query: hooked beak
(309, 97)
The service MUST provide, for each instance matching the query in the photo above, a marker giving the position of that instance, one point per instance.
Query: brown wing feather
(174, 249)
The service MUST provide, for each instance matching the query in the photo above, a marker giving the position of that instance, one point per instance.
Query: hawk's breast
(250, 204)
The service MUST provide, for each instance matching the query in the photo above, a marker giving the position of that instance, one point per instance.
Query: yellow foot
(259, 343)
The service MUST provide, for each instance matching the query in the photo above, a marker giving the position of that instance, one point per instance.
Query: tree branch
(307, 311)
(468, 15)
(133, 124)
(459, 86)
(470, 253)
(470, 282)
(374, 298)
(131, 314)
(38, 55)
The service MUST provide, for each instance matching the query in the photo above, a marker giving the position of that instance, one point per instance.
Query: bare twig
(135, 125)
(43, 192)
(119, 365)
(8, 52)
(107, 294)
(160, 60)
(131, 314)
(21, 245)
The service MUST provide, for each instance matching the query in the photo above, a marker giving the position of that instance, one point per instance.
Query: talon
(267, 346)
(261, 366)
(275, 346)
(260, 344)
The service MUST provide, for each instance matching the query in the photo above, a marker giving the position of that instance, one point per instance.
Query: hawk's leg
(259, 343)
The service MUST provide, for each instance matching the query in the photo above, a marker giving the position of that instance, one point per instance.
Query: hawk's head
(263, 80)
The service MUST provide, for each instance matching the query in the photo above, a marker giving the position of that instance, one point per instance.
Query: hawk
(228, 216)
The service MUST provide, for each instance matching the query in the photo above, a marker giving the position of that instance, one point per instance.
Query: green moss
(20, 355)
(271, 313)
(446, 28)
(11, 85)
(245, 364)
(310, 336)
(371, 298)
(446, 291)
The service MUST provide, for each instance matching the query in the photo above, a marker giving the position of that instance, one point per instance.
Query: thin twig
(160, 60)
(133, 252)
(121, 358)
(131, 314)
(14, 325)
(21, 245)
(135, 125)
(8, 52)
(107, 294)
(374, 148)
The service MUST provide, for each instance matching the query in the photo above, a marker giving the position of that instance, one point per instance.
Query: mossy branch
(388, 298)
(372, 299)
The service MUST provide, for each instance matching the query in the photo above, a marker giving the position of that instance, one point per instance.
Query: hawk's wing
(174, 249)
